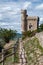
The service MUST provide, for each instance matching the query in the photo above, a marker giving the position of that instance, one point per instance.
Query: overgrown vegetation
(40, 29)
(33, 50)
(15, 56)
(28, 34)
(2, 43)
(32, 33)
(5, 36)
(8, 60)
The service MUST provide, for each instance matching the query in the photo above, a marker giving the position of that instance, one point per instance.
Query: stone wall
(33, 21)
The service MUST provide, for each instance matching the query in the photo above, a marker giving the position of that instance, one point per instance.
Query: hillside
(40, 37)
(34, 51)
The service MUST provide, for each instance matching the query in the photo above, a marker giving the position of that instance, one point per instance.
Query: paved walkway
(22, 54)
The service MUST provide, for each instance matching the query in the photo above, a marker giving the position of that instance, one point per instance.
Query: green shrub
(2, 43)
(29, 33)
(40, 29)
(41, 26)
(33, 51)
(7, 34)
(23, 37)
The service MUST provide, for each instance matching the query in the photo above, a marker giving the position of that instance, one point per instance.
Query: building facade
(29, 22)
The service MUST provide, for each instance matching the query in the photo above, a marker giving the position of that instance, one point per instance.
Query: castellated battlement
(29, 22)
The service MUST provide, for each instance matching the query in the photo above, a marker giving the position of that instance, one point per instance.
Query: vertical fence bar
(3, 56)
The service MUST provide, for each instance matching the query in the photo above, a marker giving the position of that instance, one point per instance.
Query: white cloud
(9, 24)
(3, 23)
(0, 16)
(9, 8)
(26, 5)
(41, 19)
(39, 7)
(6, 8)
(14, 7)
(12, 10)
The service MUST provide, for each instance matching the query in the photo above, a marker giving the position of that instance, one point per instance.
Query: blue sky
(10, 12)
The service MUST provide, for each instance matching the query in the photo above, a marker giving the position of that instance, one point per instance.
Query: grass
(33, 50)
(8, 60)
(16, 58)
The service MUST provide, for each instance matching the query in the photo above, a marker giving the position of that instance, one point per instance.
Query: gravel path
(22, 54)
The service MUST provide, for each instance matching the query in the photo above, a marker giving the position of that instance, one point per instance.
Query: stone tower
(29, 22)
(33, 23)
(24, 20)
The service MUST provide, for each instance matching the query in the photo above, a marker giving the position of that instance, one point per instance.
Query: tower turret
(24, 20)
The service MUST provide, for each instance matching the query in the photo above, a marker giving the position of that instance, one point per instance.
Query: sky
(10, 12)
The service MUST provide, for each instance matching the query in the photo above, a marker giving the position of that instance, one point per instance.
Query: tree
(7, 34)
(2, 43)
(41, 27)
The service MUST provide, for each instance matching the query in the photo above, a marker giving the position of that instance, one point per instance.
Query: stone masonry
(29, 22)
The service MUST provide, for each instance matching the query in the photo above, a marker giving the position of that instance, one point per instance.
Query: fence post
(2, 56)
(13, 55)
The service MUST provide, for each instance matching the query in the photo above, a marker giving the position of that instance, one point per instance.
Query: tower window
(30, 26)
